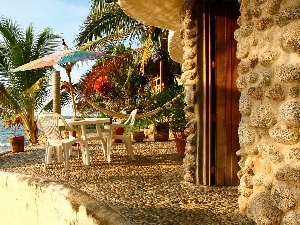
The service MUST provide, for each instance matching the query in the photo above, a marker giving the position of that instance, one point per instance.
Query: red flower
(102, 85)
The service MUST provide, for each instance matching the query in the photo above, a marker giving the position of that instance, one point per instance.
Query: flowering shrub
(115, 83)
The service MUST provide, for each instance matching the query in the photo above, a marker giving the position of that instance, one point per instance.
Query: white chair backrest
(130, 121)
(131, 118)
(49, 123)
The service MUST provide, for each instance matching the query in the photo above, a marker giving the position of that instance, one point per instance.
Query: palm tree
(106, 24)
(25, 92)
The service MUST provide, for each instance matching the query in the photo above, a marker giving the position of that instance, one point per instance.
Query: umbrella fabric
(38, 63)
(80, 56)
(60, 57)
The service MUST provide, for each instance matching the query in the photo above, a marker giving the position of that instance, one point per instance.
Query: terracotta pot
(180, 141)
(67, 134)
(118, 131)
(73, 134)
(138, 136)
(16, 144)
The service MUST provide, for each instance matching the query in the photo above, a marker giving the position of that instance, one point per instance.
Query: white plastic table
(83, 123)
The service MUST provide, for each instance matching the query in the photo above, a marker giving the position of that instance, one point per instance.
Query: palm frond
(103, 20)
(147, 50)
(113, 38)
(8, 104)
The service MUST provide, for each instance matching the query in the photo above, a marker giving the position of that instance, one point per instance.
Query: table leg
(98, 128)
(58, 150)
(86, 155)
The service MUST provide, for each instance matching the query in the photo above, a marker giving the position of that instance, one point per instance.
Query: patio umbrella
(66, 59)
(60, 57)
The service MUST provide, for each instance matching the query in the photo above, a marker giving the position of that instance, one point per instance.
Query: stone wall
(190, 36)
(27, 200)
(269, 78)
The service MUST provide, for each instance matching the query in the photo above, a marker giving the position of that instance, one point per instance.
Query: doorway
(223, 95)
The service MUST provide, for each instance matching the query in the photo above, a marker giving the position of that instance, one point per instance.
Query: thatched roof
(163, 14)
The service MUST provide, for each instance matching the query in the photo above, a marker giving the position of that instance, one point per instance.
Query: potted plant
(161, 131)
(16, 142)
(178, 124)
(138, 136)
(161, 118)
(138, 133)
(168, 118)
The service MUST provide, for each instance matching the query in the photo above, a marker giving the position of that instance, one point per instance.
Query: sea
(5, 133)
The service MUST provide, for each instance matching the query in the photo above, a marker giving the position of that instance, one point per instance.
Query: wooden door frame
(211, 110)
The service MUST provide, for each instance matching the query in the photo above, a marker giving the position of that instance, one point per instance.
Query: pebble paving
(148, 190)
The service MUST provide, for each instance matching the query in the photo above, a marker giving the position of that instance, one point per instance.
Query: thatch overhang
(163, 14)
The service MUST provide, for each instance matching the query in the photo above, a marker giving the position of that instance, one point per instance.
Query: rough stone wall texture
(269, 132)
(190, 40)
(36, 201)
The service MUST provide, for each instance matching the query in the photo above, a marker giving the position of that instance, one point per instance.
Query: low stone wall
(28, 200)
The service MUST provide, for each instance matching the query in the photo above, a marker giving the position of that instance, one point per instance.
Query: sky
(64, 16)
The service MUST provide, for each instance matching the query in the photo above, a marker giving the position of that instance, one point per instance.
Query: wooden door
(223, 94)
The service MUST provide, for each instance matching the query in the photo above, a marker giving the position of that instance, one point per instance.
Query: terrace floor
(148, 190)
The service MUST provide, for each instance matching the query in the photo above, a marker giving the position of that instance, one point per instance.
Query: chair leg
(59, 153)
(48, 155)
(129, 150)
(78, 151)
(108, 150)
(66, 156)
(103, 149)
(71, 151)
(85, 153)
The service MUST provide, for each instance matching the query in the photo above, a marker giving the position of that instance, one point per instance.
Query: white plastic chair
(126, 137)
(49, 123)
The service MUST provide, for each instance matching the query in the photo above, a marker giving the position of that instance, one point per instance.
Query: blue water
(5, 133)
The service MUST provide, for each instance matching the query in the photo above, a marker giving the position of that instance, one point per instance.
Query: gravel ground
(148, 190)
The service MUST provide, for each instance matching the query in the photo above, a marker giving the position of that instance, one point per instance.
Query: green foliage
(177, 116)
(156, 100)
(173, 114)
(142, 123)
